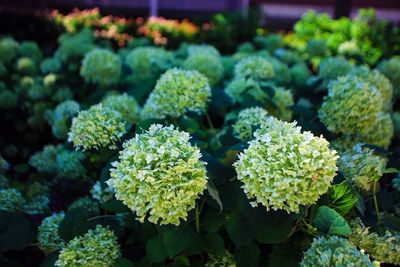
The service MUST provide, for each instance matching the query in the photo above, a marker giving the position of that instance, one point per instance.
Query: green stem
(210, 123)
(197, 219)
(101, 217)
(378, 217)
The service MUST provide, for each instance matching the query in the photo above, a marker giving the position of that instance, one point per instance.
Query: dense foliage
(282, 153)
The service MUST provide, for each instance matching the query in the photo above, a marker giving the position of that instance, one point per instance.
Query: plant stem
(210, 123)
(378, 217)
(197, 219)
(101, 217)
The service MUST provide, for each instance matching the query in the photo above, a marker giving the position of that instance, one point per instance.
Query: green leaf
(391, 222)
(212, 220)
(115, 206)
(74, 223)
(180, 261)
(213, 244)
(212, 190)
(123, 262)
(247, 256)
(177, 240)
(239, 229)
(283, 256)
(16, 231)
(328, 221)
(391, 170)
(343, 198)
(155, 249)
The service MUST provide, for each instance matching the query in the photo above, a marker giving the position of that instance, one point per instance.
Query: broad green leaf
(239, 229)
(178, 239)
(213, 244)
(155, 249)
(115, 206)
(328, 221)
(247, 256)
(123, 262)
(212, 220)
(74, 223)
(284, 256)
(16, 231)
(391, 170)
(212, 190)
(343, 198)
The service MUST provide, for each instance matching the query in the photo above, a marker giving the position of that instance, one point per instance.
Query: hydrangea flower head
(249, 120)
(50, 65)
(12, 200)
(159, 175)
(96, 248)
(361, 166)
(381, 133)
(391, 69)
(97, 127)
(147, 64)
(254, 67)
(8, 49)
(202, 49)
(177, 92)
(383, 248)
(283, 100)
(25, 65)
(332, 68)
(48, 237)
(102, 193)
(59, 119)
(239, 85)
(124, 104)
(87, 203)
(284, 168)
(334, 251)
(351, 106)
(225, 261)
(207, 64)
(101, 66)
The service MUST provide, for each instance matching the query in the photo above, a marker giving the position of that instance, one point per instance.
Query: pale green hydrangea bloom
(50, 65)
(202, 49)
(97, 127)
(57, 160)
(8, 49)
(332, 68)
(317, 48)
(48, 237)
(284, 168)
(249, 120)
(59, 119)
(281, 72)
(349, 48)
(238, 86)
(300, 74)
(384, 248)
(124, 104)
(207, 64)
(177, 92)
(254, 67)
(25, 65)
(335, 251)
(37, 199)
(159, 175)
(50, 80)
(361, 166)
(102, 193)
(96, 248)
(391, 69)
(89, 204)
(147, 64)
(351, 106)
(32, 50)
(342, 144)
(101, 66)
(225, 261)
(381, 133)
(283, 100)
(11, 200)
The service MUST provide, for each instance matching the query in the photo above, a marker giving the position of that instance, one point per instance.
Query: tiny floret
(159, 175)
(96, 248)
(97, 127)
(284, 168)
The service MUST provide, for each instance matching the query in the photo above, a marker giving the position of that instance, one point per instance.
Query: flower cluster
(97, 248)
(48, 237)
(8, 49)
(124, 104)
(334, 251)
(282, 101)
(332, 68)
(225, 261)
(249, 120)
(59, 119)
(59, 161)
(26, 65)
(102, 193)
(89, 204)
(101, 66)
(391, 69)
(11, 200)
(97, 127)
(177, 92)
(254, 67)
(361, 166)
(351, 106)
(159, 175)
(383, 248)
(147, 64)
(381, 133)
(283, 168)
